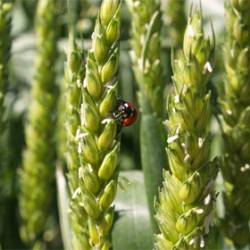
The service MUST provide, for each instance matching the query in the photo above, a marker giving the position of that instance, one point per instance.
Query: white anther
(207, 67)
(172, 138)
(177, 99)
(77, 192)
(78, 83)
(187, 157)
(199, 211)
(79, 148)
(207, 199)
(178, 129)
(245, 168)
(191, 242)
(202, 242)
(80, 172)
(80, 135)
(77, 133)
(90, 168)
(109, 86)
(82, 114)
(85, 83)
(200, 142)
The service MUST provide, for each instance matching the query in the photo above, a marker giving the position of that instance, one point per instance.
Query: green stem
(153, 157)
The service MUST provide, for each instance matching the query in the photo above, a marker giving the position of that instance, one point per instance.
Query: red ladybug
(125, 113)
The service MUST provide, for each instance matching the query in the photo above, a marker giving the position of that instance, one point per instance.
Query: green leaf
(63, 204)
(132, 228)
(153, 155)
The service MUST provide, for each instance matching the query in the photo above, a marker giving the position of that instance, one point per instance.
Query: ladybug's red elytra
(125, 113)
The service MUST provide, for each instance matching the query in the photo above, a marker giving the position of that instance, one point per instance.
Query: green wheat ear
(74, 75)
(186, 201)
(96, 136)
(37, 173)
(5, 44)
(146, 23)
(235, 110)
(146, 50)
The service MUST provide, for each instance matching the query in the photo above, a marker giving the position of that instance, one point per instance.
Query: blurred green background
(17, 100)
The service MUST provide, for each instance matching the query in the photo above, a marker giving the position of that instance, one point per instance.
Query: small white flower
(229, 112)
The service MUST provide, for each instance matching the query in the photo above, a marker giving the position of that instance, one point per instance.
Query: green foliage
(111, 50)
(5, 44)
(37, 173)
(74, 74)
(235, 107)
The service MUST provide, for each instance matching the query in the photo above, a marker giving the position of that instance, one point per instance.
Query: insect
(125, 113)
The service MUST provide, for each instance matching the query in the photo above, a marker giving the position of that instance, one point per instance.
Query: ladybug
(125, 113)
